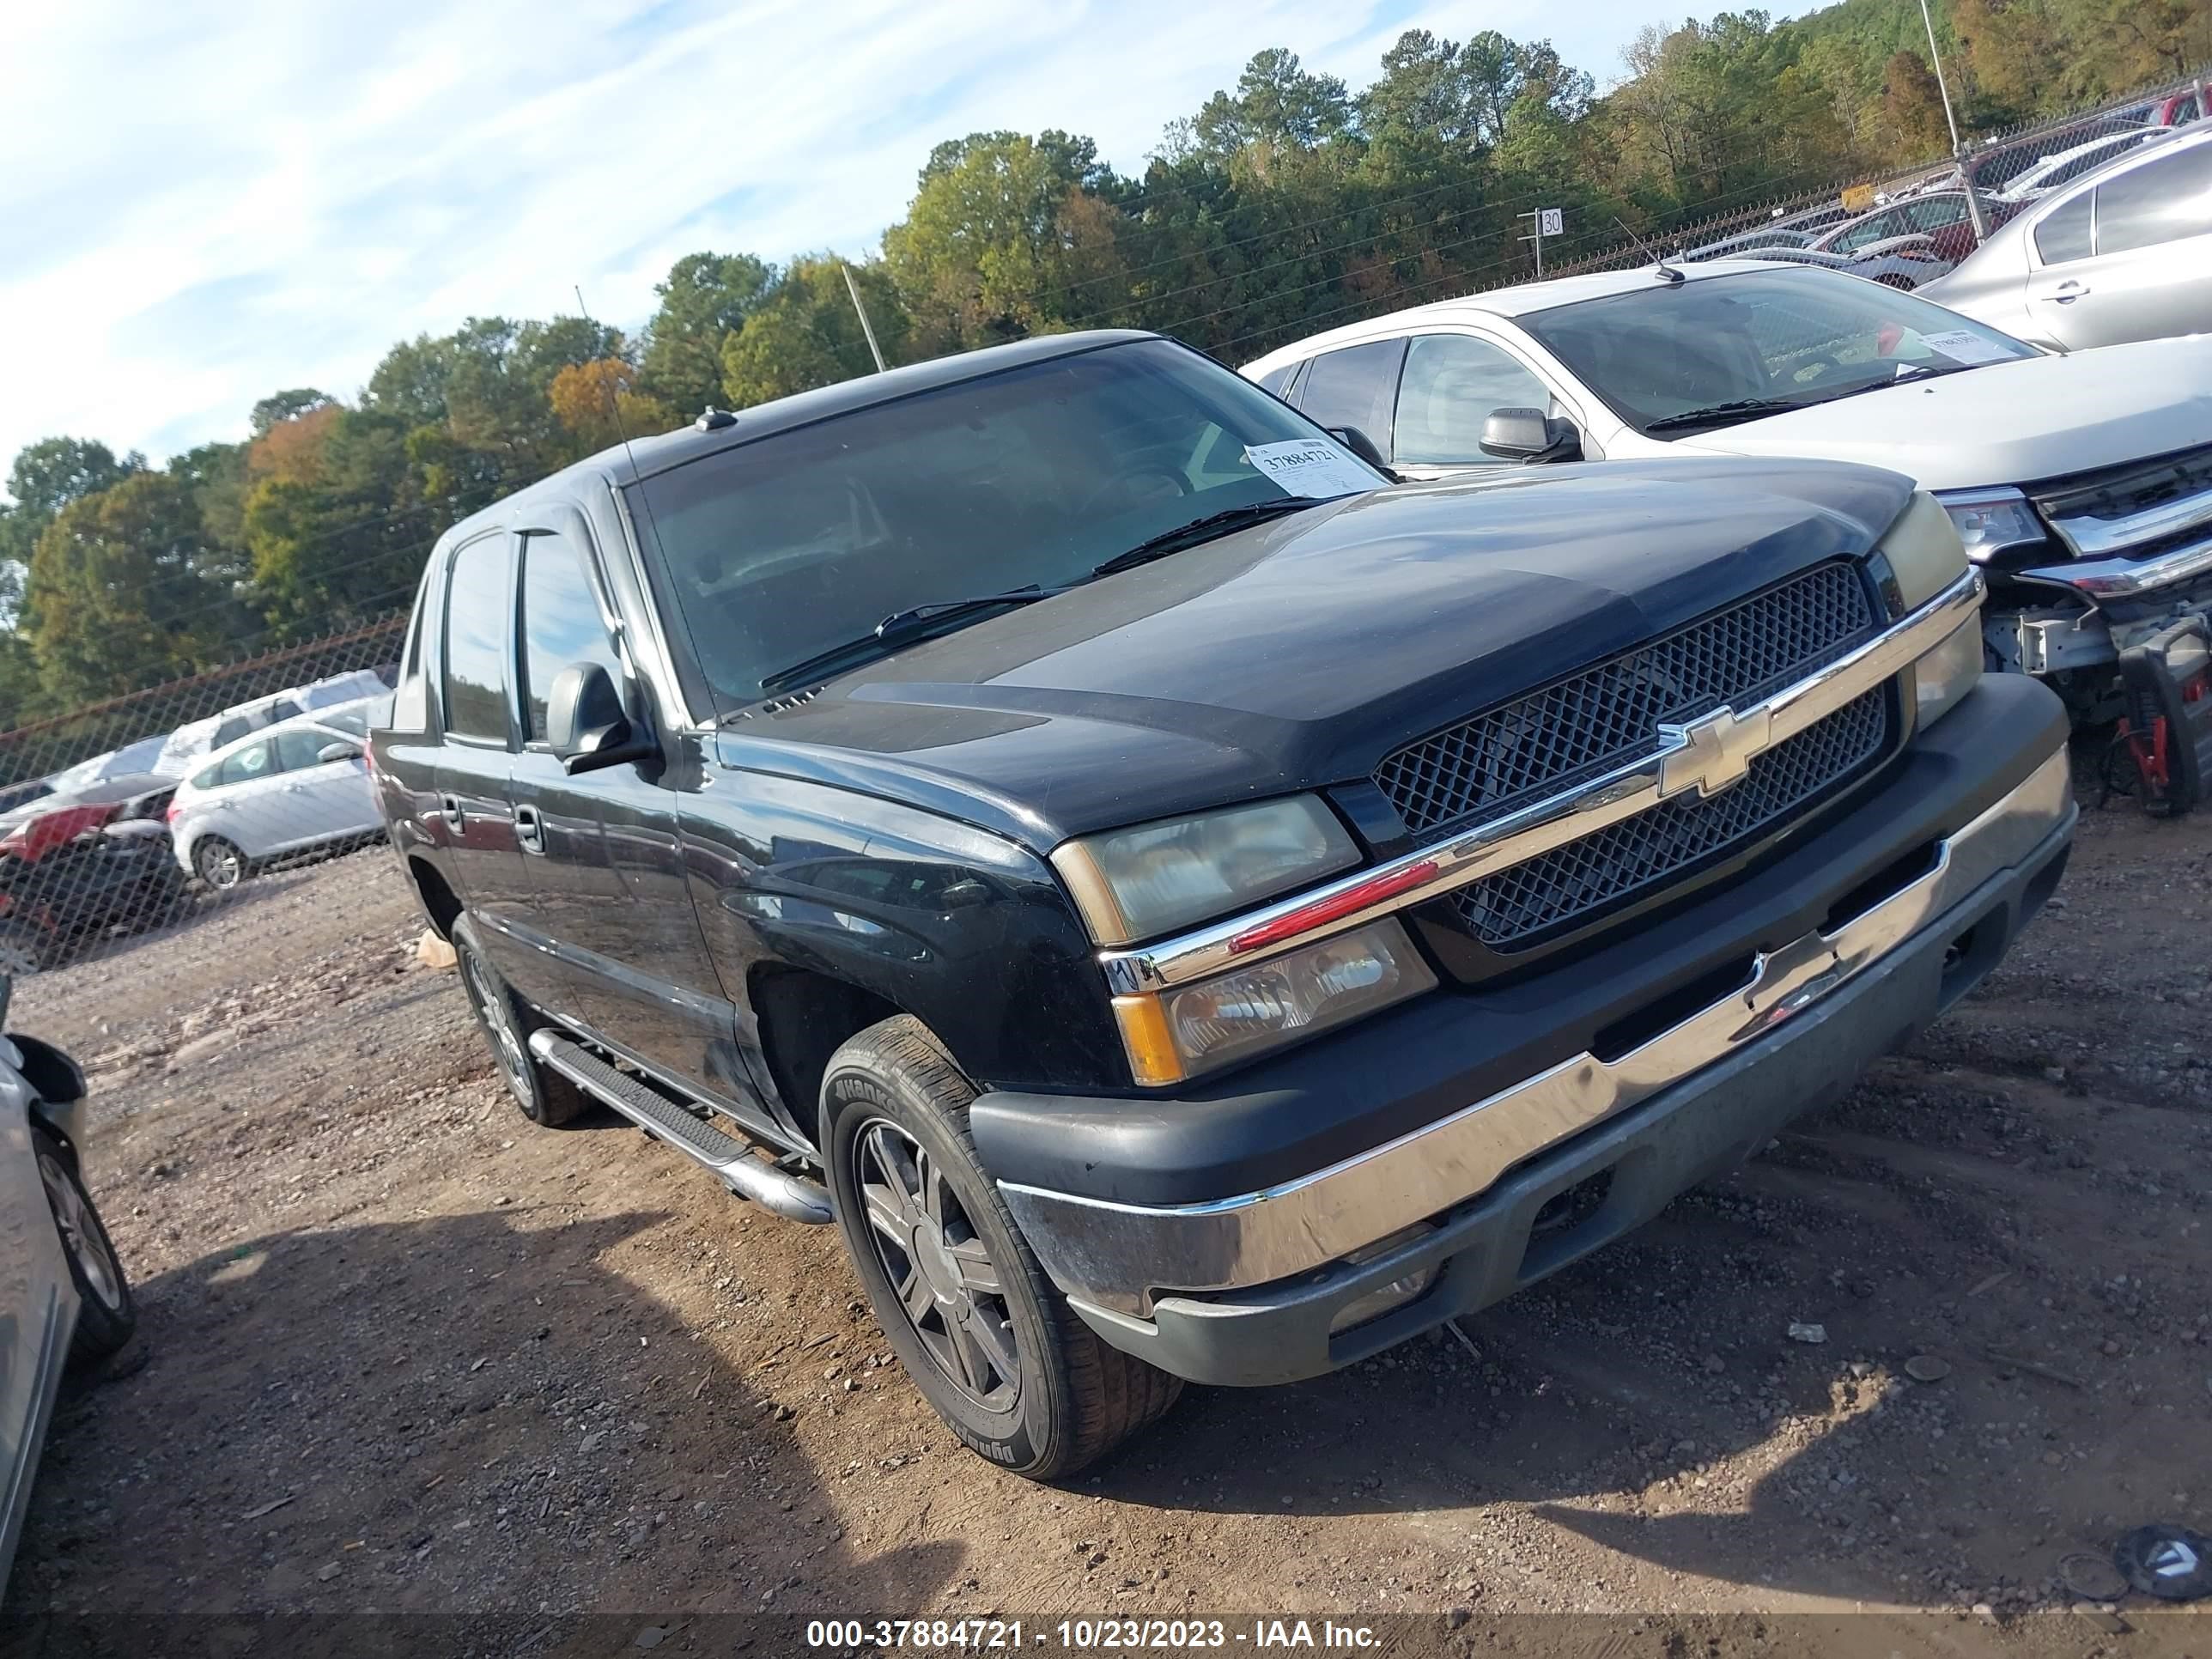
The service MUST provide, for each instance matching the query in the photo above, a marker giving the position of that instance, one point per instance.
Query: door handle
(2068, 291)
(529, 830)
(449, 808)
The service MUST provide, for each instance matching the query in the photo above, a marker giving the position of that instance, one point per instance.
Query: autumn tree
(600, 403)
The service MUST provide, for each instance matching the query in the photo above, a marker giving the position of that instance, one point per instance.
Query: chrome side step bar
(792, 1197)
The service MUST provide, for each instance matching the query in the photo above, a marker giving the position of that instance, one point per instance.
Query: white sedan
(296, 787)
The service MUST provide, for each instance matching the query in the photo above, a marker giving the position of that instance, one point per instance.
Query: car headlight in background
(1944, 675)
(1988, 522)
(1152, 878)
(1179, 1034)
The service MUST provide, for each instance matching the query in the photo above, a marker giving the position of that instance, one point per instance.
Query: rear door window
(1452, 383)
(560, 621)
(1356, 386)
(2065, 234)
(478, 607)
(2160, 201)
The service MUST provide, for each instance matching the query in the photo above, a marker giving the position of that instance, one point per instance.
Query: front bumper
(1244, 1289)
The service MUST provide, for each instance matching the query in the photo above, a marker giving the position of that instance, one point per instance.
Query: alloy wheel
(220, 865)
(17, 961)
(81, 1235)
(938, 1265)
(498, 1017)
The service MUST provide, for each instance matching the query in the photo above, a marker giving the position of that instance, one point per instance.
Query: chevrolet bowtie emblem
(1714, 750)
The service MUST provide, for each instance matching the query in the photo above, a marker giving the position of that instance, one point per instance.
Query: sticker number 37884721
(1312, 466)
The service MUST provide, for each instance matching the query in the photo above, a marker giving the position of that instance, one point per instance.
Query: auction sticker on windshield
(1963, 345)
(1310, 466)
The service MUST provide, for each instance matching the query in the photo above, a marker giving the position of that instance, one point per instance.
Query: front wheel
(106, 1315)
(987, 1337)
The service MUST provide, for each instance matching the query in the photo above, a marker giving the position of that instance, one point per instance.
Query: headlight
(1990, 520)
(1946, 674)
(1922, 549)
(1142, 882)
(1196, 1028)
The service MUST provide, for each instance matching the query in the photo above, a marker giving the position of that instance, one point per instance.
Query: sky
(207, 200)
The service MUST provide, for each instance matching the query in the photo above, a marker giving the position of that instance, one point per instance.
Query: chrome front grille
(2141, 507)
(1596, 720)
(1621, 863)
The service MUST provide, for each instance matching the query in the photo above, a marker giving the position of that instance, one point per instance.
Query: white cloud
(207, 200)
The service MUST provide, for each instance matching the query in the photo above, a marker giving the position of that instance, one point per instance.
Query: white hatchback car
(295, 788)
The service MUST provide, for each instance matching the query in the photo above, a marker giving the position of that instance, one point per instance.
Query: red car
(80, 864)
(1940, 216)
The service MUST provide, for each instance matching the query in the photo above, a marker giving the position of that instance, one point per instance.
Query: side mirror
(1363, 447)
(336, 752)
(586, 723)
(1530, 436)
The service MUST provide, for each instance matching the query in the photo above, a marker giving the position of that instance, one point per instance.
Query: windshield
(777, 550)
(1787, 336)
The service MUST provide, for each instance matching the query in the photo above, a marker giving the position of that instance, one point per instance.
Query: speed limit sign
(1552, 223)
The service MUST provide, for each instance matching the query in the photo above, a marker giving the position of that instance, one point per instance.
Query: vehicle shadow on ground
(471, 1414)
(1646, 1399)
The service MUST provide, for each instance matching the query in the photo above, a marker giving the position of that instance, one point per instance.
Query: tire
(105, 1315)
(992, 1344)
(218, 864)
(23, 950)
(546, 1097)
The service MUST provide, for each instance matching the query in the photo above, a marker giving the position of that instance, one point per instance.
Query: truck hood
(2005, 424)
(1297, 653)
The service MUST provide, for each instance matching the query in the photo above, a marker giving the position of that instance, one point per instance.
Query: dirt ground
(401, 1351)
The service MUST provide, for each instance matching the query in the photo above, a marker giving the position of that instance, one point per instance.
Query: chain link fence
(142, 813)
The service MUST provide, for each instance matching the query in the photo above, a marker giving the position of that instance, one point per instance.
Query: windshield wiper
(901, 627)
(1205, 530)
(1743, 409)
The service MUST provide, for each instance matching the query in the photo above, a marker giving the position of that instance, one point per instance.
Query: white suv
(2081, 484)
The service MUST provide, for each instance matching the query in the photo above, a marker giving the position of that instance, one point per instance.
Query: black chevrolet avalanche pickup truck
(1185, 906)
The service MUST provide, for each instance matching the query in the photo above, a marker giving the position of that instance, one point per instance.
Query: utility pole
(866, 327)
(1941, 85)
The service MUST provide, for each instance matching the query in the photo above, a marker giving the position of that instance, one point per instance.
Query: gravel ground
(400, 1351)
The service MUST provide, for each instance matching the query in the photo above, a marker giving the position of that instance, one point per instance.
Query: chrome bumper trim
(2122, 579)
(1706, 755)
(1116, 1256)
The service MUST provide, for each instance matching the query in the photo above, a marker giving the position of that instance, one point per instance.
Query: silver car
(64, 1300)
(2123, 254)
(293, 787)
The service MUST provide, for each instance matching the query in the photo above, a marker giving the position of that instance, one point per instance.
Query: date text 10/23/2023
(1089, 1635)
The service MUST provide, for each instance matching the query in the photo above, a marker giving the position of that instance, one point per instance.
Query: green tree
(807, 335)
(281, 406)
(1277, 104)
(996, 240)
(121, 598)
(707, 298)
